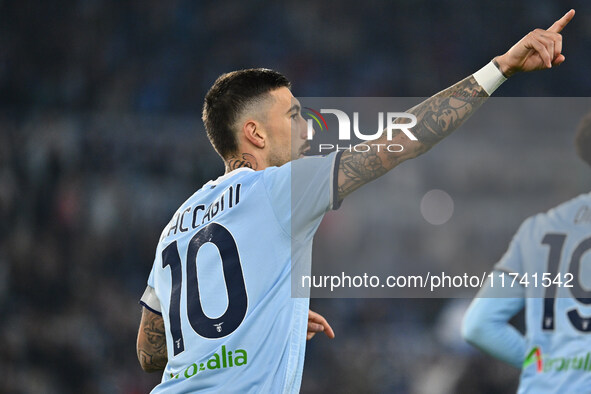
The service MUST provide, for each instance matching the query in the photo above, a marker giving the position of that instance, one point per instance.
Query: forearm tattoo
(356, 169)
(437, 117)
(152, 353)
(441, 114)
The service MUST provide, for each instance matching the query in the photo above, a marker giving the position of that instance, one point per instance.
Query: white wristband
(489, 77)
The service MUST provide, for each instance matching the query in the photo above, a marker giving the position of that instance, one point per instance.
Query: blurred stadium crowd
(163, 55)
(100, 140)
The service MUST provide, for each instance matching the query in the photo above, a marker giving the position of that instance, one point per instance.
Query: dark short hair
(583, 139)
(228, 96)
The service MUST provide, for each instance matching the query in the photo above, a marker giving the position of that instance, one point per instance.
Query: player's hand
(317, 323)
(539, 49)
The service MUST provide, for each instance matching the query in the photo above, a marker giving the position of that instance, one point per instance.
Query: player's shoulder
(571, 212)
(209, 198)
(300, 170)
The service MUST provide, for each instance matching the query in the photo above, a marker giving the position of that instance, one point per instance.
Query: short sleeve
(302, 191)
(150, 300)
(512, 260)
(151, 276)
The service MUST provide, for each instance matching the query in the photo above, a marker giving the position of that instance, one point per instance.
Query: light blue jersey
(555, 245)
(221, 279)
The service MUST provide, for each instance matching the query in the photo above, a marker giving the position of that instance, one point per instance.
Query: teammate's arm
(486, 323)
(440, 115)
(151, 342)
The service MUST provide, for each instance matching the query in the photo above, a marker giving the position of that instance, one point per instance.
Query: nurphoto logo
(344, 129)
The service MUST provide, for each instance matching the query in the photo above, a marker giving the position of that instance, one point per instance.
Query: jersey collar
(227, 176)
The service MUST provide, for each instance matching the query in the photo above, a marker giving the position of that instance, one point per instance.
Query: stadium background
(100, 140)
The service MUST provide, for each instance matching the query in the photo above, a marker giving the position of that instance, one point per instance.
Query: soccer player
(546, 257)
(220, 284)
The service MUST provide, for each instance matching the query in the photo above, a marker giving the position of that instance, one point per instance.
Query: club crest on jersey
(218, 326)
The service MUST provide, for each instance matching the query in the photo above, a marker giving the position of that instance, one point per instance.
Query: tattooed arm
(440, 115)
(437, 117)
(151, 342)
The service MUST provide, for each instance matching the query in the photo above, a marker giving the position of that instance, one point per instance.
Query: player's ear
(254, 133)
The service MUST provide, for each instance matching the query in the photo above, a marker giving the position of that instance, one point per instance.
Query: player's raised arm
(441, 114)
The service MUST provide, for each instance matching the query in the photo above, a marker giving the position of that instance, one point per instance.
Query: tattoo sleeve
(437, 117)
(151, 342)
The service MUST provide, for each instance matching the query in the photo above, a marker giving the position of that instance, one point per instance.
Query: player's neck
(242, 160)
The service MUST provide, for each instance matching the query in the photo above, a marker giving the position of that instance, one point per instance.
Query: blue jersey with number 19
(222, 278)
(551, 252)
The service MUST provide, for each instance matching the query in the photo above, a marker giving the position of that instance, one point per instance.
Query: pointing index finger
(562, 22)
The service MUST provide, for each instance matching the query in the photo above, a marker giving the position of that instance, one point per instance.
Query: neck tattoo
(243, 160)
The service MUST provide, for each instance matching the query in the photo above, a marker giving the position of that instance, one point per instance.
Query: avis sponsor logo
(545, 364)
(345, 127)
(219, 360)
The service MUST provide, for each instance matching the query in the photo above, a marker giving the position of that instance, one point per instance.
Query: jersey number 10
(237, 297)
